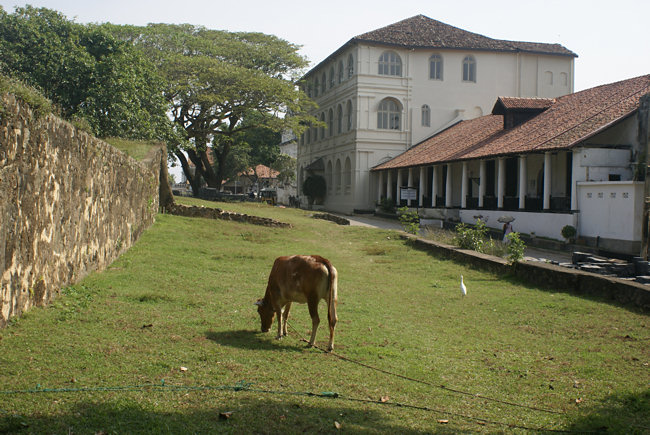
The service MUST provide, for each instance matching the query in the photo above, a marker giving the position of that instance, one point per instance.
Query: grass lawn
(162, 340)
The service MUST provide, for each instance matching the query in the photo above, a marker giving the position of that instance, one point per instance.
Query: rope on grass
(420, 381)
(246, 386)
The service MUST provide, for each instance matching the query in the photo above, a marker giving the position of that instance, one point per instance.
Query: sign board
(408, 193)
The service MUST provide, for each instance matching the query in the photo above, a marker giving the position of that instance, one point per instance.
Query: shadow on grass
(620, 413)
(246, 339)
(250, 414)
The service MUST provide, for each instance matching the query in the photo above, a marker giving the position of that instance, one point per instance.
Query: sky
(611, 38)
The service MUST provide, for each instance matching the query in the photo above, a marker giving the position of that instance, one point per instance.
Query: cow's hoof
(330, 348)
(279, 337)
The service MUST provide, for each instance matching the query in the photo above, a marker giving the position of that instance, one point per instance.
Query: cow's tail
(333, 290)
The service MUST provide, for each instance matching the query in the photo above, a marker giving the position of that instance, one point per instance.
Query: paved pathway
(531, 253)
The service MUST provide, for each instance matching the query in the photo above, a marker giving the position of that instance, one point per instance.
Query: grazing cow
(302, 279)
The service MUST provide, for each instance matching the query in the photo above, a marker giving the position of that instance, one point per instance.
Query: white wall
(611, 209)
(542, 224)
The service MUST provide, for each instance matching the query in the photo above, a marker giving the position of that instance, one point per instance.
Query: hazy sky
(611, 38)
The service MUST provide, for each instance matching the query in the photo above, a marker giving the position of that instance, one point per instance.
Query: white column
(410, 184)
(574, 186)
(501, 182)
(399, 184)
(463, 187)
(448, 187)
(389, 184)
(423, 185)
(380, 185)
(523, 182)
(547, 180)
(482, 184)
(434, 186)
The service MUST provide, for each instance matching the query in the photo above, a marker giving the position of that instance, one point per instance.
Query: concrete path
(531, 254)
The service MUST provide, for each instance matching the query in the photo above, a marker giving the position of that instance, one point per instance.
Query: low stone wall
(546, 275)
(217, 213)
(332, 218)
(69, 205)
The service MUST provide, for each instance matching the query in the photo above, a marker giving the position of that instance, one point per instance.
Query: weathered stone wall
(69, 205)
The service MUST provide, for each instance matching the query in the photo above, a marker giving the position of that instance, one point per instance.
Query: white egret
(463, 289)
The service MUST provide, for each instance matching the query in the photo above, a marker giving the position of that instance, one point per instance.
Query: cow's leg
(331, 317)
(285, 316)
(312, 303)
(279, 315)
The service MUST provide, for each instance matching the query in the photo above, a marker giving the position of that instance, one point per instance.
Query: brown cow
(299, 278)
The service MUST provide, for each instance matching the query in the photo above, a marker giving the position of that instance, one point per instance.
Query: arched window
(469, 69)
(316, 88)
(348, 116)
(323, 85)
(435, 67)
(347, 176)
(332, 77)
(350, 66)
(341, 71)
(426, 116)
(564, 79)
(389, 115)
(330, 122)
(337, 176)
(339, 119)
(548, 77)
(328, 176)
(322, 127)
(390, 64)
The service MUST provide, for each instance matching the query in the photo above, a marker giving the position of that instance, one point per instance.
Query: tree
(86, 72)
(215, 80)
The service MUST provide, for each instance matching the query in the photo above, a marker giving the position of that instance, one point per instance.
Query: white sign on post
(408, 193)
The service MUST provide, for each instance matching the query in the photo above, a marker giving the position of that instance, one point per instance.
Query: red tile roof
(262, 172)
(423, 32)
(568, 121)
(510, 103)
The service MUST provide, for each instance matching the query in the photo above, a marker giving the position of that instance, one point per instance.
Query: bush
(568, 231)
(314, 187)
(516, 247)
(387, 205)
(472, 237)
(410, 220)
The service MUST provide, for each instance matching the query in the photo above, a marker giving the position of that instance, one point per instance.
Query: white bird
(463, 289)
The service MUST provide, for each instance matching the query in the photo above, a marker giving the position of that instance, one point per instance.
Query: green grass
(183, 297)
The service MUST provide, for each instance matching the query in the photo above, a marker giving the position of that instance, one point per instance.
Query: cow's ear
(259, 302)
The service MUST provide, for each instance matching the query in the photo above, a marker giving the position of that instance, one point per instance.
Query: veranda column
(389, 184)
(448, 187)
(399, 185)
(523, 182)
(463, 187)
(547, 181)
(423, 185)
(380, 186)
(501, 181)
(481, 185)
(574, 188)
(434, 186)
(410, 184)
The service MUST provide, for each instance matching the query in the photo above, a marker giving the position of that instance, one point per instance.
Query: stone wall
(69, 205)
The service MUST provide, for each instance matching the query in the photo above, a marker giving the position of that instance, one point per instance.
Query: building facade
(577, 160)
(386, 90)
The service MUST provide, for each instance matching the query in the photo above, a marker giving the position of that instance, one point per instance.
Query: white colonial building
(577, 160)
(386, 90)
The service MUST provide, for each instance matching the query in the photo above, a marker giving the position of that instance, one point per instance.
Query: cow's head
(266, 314)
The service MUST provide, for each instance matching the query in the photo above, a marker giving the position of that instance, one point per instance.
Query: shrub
(387, 205)
(516, 247)
(410, 220)
(472, 237)
(569, 231)
(314, 187)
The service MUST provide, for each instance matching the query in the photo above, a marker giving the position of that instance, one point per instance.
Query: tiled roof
(423, 32)
(569, 121)
(262, 172)
(510, 103)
